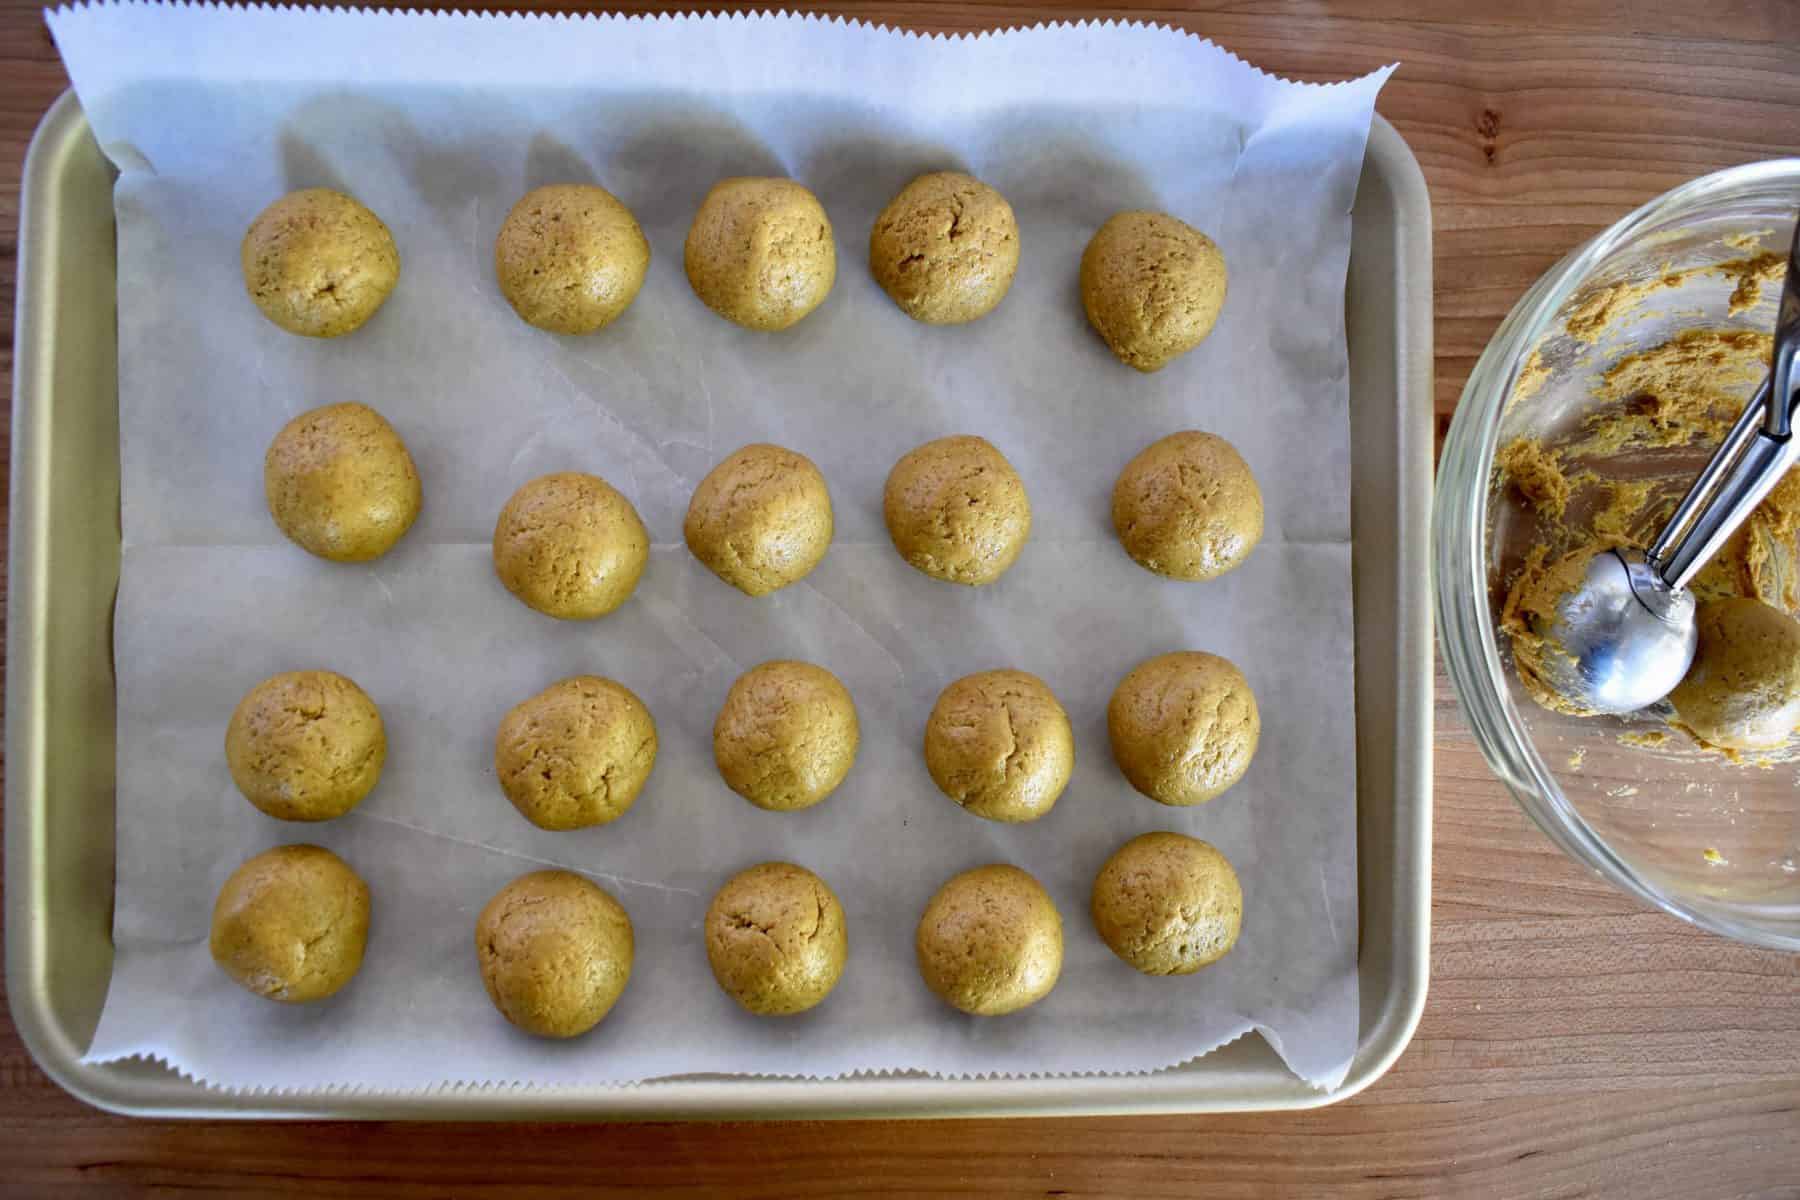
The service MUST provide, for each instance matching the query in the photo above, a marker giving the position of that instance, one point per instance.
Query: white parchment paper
(439, 123)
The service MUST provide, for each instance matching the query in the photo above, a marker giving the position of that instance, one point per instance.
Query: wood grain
(1574, 1044)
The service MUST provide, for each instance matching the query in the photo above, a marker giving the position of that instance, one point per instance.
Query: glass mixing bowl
(1709, 839)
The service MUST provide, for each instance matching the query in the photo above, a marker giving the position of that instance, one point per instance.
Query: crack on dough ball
(1188, 507)
(555, 952)
(291, 924)
(305, 745)
(957, 510)
(570, 546)
(1000, 745)
(760, 252)
(1183, 726)
(1152, 286)
(786, 736)
(776, 939)
(761, 519)
(341, 484)
(570, 258)
(990, 941)
(319, 264)
(576, 754)
(1167, 904)
(945, 249)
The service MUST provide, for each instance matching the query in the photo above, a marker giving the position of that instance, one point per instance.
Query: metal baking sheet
(60, 799)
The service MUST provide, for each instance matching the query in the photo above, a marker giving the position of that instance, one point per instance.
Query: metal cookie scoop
(1625, 636)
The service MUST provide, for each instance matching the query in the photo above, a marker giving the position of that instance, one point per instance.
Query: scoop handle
(1754, 456)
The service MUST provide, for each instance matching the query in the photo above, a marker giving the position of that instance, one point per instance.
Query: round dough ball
(318, 263)
(990, 941)
(1167, 904)
(1152, 287)
(775, 936)
(1000, 745)
(570, 546)
(305, 745)
(760, 252)
(555, 952)
(945, 249)
(1184, 726)
(957, 510)
(340, 483)
(570, 258)
(576, 754)
(291, 924)
(786, 736)
(1188, 507)
(1743, 691)
(761, 519)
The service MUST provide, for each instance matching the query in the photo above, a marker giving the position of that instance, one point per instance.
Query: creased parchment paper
(439, 123)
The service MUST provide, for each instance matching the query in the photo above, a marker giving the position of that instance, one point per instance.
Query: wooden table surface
(1574, 1043)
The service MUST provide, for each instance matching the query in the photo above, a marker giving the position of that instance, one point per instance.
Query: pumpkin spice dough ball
(1743, 691)
(957, 510)
(990, 942)
(570, 546)
(291, 924)
(1188, 507)
(776, 939)
(341, 484)
(760, 252)
(1152, 287)
(1167, 904)
(786, 735)
(305, 745)
(319, 264)
(570, 258)
(1184, 727)
(1000, 745)
(576, 754)
(555, 952)
(945, 249)
(761, 519)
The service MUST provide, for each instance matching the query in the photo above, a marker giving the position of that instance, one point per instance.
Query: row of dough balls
(341, 484)
(556, 950)
(310, 745)
(570, 258)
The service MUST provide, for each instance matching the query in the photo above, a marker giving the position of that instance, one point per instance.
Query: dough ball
(1168, 904)
(760, 252)
(570, 546)
(1184, 727)
(1000, 745)
(1152, 287)
(318, 263)
(555, 952)
(1188, 507)
(305, 746)
(786, 736)
(570, 258)
(945, 248)
(576, 754)
(775, 936)
(340, 483)
(957, 510)
(761, 519)
(990, 941)
(1743, 691)
(291, 924)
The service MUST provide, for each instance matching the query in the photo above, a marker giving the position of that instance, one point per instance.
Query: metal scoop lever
(1628, 630)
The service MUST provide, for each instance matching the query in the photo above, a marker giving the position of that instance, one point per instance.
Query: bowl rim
(1459, 555)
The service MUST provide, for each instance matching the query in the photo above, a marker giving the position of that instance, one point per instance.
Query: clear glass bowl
(1709, 840)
